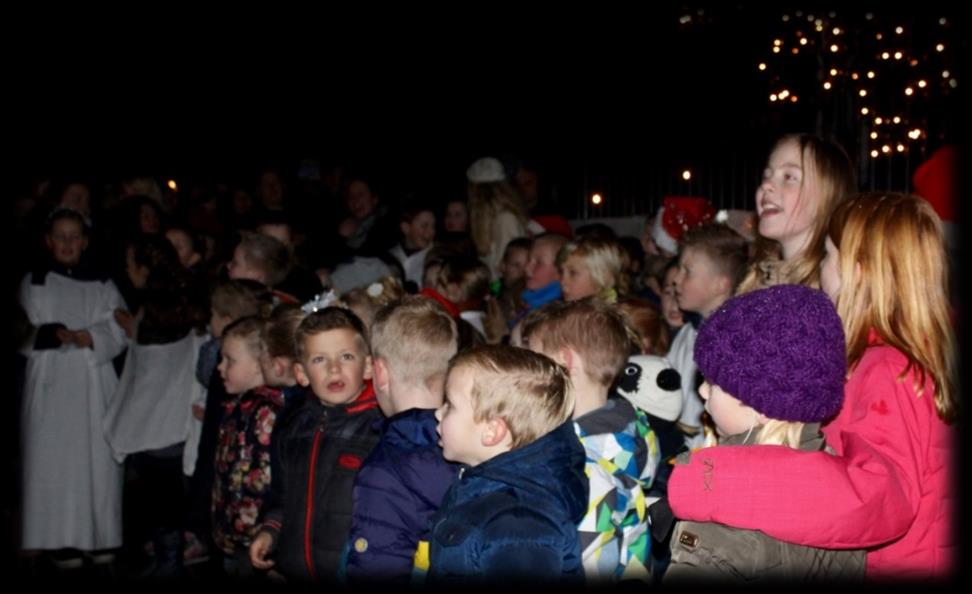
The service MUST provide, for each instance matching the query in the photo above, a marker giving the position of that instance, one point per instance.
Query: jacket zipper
(308, 519)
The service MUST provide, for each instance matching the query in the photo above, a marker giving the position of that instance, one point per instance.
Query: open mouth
(335, 386)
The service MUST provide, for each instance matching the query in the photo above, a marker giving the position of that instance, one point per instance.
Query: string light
(952, 83)
(899, 30)
(900, 148)
(172, 185)
(836, 30)
(870, 74)
(784, 94)
(885, 149)
(803, 41)
(898, 55)
(596, 199)
(874, 135)
(878, 121)
(826, 85)
(909, 91)
(874, 154)
(762, 66)
(854, 75)
(773, 97)
(922, 84)
(833, 48)
(833, 72)
(940, 47)
(896, 120)
(687, 175)
(777, 42)
(945, 73)
(865, 111)
(776, 50)
(885, 55)
(862, 92)
(793, 99)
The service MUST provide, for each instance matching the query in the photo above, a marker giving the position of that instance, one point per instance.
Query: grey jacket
(710, 551)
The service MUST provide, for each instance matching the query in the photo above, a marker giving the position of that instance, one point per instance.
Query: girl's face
(830, 271)
(788, 198)
(575, 279)
(731, 417)
(456, 217)
(238, 366)
(419, 233)
(67, 241)
(669, 304)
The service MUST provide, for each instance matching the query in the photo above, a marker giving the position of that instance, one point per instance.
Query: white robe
(152, 405)
(71, 485)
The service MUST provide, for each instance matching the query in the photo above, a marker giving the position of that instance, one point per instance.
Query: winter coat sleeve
(866, 496)
(272, 509)
(523, 545)
(107, 336)
(383, 536)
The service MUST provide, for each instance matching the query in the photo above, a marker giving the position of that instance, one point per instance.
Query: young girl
(775, 387)
(242, 476)
(888, 489)
(69, 379)
(279, 353)
(592, 266)
(496, 214)
(805, 177)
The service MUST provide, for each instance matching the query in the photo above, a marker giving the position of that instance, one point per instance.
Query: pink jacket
(889, 486)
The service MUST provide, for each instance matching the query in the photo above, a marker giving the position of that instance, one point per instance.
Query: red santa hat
(677, 215)
(934, 180)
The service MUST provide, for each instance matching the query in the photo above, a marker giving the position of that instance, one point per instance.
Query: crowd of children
(501, 398)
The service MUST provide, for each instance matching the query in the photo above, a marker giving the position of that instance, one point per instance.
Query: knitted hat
(677, 215)
(486, 169)
(779, 350)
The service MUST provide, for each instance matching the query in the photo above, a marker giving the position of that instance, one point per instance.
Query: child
(464, 281)
(417, 224)
(264, 259)
(673, 315)
(805, 178)
(774, 366)
(622, 449)
(243, 451)
(542, 274)
(67, 463)
(496, 213)
(513, 512)
(645, 318)
(889, 487)
(402, 483)
(592, 266)
(319, 450)
(711, 263)
(366, 301)
(278, 354)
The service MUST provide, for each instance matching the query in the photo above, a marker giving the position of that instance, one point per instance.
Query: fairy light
(172, 185)
(776, 50)
(940, 47)
(596, 199)
(896, 120)
(885, 55)
(874, 154)
(945, 73)
(854, 76)
(865, 111)
(687, 175)
(922, 84)
(773, 97)
(898, 55)
(826, 85)
(803, 41)
(900, 148)
(777, 42)
(870, 74)
(879, 36)
(762, 66)
(833, 72)
(784, 94)
(795, 51)
(909, 91)
(862, 92)
(793, 99)
(834, 48)
(899, 30)
(878, 121)
(874, 135)
(885, 149)
(952, 83)
(836, 30)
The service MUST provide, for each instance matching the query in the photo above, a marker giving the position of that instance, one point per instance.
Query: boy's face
(419, 233)
(335, 366)
(541, 268)
(240, 268)
(238, 367)
(731, 417)
(575, 279)
(459, 434)
(66, 241)
(698, 285)
(513, 267)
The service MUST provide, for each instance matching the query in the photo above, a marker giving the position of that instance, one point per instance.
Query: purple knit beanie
(779, 350)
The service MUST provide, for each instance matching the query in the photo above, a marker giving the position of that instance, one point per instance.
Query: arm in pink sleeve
(866, 496)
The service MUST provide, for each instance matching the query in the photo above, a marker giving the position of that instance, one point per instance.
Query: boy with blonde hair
(513, 512)
(591, 339)
(402, 483)
(318, 451)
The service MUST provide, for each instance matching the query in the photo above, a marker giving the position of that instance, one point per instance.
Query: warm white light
(596, 199)
(896, 120)
(874, 153)
(803, 41)
(172, 185)
(909, 91)
(762, 66)
(862, 92)
(833, 48)
(952, 83)
(827, 85)
(836, 30)
(786, 18)
(945, 73)
(773, 97)
(900, 148)
(878, 121)
(885, 149)
(885, 55)
(865, 111)
(942, 21)
(898, 55)
(940, 47)
(854, 75)
(795, 51)
(777, 42)
(870, 74)
(899, 30)
(833, 72)
(784, 94)
(685, 18)
(793, 99)
(776, 50)
(686, 175)
(922, 84)
(873, 135)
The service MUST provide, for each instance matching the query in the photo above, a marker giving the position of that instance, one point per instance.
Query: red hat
(934, 180)
(555, 224)
(677, 215)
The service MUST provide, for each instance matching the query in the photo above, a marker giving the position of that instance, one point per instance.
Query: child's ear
(369, 368)
(301, 375)
(380, 369)
(280, 365)
(565, 357)
(495, 433)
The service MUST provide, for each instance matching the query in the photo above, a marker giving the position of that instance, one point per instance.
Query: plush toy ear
(669, 380)
(495, 432)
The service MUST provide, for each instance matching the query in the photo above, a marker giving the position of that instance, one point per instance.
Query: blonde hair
(593, 328)
(532, 394)
(827, 163)
(366, 301)
(486, 201)
(725, 249)
(779, 432)
(416, 337)
(249, 330)
(896, 242)
(605, 259)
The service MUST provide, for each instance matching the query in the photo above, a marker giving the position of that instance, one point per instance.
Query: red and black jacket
(317, 452)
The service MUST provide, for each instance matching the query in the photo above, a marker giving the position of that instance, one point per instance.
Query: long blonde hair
(827, 163)
(897, 244)
(486, 201)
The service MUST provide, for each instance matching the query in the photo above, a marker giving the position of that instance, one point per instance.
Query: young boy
(319, 449)
(402, 483)
(417, 224)
(711, 264)
(590, 338)
(513, 512)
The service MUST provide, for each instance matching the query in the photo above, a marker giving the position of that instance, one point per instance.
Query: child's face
(240, 268)
(217, 323)
(238, 366)
(830, 271)
(698, 285)
(456, 217)
(575, 279)
(66, 241)
(730, 416)
(419, 233)
(513, 267)
(429, 278)
(787, 198)
(669, 304)
(335, 366)
(541, 268)
(183, 247)
(459, 434)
